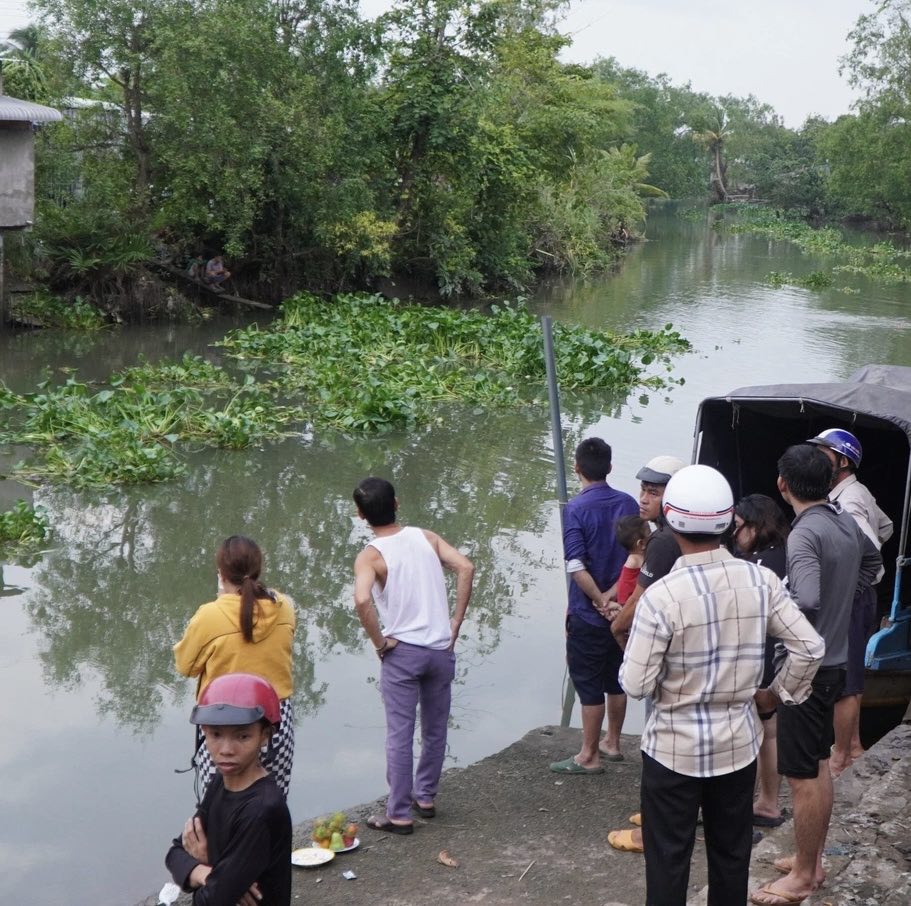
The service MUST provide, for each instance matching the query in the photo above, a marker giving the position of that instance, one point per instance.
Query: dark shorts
(806, 732)
(863, 616)
(594, 658)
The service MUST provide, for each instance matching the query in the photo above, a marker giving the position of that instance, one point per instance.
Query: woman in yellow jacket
(247, 629)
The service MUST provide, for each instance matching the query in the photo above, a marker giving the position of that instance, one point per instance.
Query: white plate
(311, 857)
(347, 849)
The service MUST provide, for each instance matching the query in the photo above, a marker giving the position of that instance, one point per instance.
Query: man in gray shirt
(828, 557)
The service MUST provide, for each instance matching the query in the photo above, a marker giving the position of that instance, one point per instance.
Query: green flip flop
(571, 766)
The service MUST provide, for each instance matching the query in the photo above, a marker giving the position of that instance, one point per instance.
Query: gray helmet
(659, 469)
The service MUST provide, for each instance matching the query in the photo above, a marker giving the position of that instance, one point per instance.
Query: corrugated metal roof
(15, 110)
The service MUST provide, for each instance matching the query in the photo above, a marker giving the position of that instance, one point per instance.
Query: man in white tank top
(401, 601)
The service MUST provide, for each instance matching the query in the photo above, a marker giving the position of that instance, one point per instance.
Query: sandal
(623, 840)
(571, 766)
(384, 824)
(425, 811)
(782, 897)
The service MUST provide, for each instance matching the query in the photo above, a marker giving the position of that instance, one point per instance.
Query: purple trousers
(410, 676)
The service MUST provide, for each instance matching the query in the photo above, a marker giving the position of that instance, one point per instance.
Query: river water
(94, 717)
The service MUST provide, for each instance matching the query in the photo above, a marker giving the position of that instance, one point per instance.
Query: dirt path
(524, 835)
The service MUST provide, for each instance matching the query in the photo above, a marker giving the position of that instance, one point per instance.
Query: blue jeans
(412, 675)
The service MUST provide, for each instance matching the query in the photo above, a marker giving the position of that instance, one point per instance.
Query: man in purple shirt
(594, 559)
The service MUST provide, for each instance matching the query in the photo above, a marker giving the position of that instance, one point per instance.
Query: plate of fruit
(337, 834)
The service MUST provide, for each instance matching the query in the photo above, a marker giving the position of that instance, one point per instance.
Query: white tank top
(413, 606)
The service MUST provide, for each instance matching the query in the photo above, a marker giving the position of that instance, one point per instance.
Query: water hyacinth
(357, 363)
(881, 262)
(374, 364)
(126, 432)
(23, 526)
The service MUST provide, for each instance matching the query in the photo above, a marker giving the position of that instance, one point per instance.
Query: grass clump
(23, 526)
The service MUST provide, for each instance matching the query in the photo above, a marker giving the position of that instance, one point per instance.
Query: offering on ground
(335, 833)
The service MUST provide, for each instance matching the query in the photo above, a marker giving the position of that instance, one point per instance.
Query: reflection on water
(130, 566)
(89, 624)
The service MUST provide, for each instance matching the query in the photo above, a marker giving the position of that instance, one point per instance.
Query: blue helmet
(842, 442)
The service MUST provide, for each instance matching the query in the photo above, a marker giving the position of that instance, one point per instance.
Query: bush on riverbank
(41, 309)
(444, 143)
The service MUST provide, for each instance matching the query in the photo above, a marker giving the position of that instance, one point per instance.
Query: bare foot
(786, 865)
(838, 765)
(612, 754)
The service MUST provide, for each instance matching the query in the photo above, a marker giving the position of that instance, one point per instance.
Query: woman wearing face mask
(760, 535)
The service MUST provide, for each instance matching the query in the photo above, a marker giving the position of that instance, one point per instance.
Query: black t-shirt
(249, 839)
(773, 558)
(661, 554)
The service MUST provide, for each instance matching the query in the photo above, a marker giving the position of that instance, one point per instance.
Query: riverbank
(523, 834)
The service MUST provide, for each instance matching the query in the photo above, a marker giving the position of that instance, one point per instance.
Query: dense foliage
(444, 142)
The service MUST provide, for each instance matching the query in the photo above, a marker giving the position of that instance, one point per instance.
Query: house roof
(19, 111)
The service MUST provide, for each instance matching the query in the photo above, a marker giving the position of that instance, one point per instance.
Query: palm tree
(19, 62)
(714, 134)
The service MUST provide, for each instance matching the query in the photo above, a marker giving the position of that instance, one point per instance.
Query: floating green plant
(881, 262)
(357, 363)
(126, 432)
(44, 310)
(366, 363)
(814, 280)
(23, 525)
(191, 371)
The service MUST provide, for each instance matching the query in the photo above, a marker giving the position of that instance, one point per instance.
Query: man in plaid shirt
(697, 648)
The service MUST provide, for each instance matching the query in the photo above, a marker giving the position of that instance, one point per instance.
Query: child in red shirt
(632, 532)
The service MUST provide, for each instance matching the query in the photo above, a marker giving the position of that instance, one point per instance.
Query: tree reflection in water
(129, 567)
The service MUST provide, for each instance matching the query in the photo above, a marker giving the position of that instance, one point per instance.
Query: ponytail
(240, 561)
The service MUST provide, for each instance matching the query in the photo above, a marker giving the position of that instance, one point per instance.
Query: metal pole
(556, 430)
(553, 395)
(3, 313)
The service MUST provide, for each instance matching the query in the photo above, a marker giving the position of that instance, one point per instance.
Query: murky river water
(94, 718)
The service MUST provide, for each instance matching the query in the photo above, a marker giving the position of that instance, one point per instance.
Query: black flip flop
(766, 821)
(423, 810)
(384, 824)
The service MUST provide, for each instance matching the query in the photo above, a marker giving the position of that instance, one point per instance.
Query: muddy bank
(524, 835)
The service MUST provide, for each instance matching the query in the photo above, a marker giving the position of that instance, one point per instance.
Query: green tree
(22, 70)
(868, 154)
(659, 126)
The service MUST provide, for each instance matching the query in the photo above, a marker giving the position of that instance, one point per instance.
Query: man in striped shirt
(697, 647)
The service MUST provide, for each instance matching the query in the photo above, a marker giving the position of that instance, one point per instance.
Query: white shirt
(860, 503)
(413, 604)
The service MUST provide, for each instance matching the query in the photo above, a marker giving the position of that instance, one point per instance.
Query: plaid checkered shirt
(696, 647)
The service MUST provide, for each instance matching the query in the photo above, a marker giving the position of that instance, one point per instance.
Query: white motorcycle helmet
(698, 500)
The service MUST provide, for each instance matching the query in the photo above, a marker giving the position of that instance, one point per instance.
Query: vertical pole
(553, 395)
(556, 430)
(2, 285)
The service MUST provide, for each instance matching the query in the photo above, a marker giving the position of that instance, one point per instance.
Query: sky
(785, 52)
